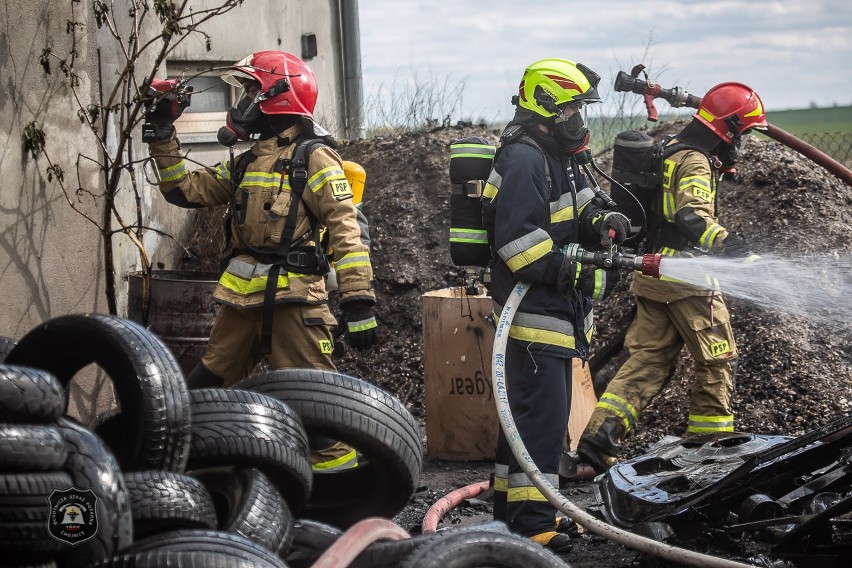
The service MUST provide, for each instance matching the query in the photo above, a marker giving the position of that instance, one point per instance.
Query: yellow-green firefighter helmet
(550, 83)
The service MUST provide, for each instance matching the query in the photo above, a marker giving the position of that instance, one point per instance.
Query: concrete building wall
(51, 256)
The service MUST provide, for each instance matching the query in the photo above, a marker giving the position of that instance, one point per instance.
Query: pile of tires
(209, 477)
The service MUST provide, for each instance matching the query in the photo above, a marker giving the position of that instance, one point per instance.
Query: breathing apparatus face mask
(245, 117)
(728, 154)
(570, 133)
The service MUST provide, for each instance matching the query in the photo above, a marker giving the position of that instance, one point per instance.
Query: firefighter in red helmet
(671, 314)
(272, 295)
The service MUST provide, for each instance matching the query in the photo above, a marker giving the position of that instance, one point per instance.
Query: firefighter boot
(559, 539)
(555, 541)
(599, 449)
(329, 455)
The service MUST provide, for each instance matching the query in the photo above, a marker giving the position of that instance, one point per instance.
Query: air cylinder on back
(470, 164)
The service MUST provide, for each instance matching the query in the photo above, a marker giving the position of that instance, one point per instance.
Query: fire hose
(447, 502)
(677, 97)
(351, 543)
(649, 266)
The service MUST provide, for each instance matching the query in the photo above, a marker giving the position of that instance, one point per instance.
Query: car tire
(361, 415)
(92, 466)
(6, 345)
(248, 503)
(394, 552)
(195, 549)
(31, 447)
(310, 539)
(163, 501)
(231, 427)
(152, 431)
(29, 395)
(482, 548)
(24, 516)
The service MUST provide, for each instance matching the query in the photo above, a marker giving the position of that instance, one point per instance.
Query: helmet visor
(248, 93)
(238, 73)
(592, 95)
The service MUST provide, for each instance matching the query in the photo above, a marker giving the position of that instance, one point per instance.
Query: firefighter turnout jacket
(261, 207)
(535, 202)
(531, 208)
(688, 218)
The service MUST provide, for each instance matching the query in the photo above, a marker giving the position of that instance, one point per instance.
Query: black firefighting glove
(568, 273)
(598, 283)
(165, 102)
(362, 331)
(733, 246)
(611, 225)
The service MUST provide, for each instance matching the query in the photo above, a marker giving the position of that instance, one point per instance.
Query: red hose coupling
(651, 264)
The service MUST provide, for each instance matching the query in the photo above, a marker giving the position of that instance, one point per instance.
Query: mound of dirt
(792, 374)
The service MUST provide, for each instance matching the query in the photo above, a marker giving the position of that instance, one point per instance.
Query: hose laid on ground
(351, 543)
(507, 422)
(449, 501)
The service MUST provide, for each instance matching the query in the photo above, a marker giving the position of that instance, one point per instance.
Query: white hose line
(507, 422)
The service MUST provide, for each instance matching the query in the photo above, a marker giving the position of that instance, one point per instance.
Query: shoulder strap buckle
(299, 173)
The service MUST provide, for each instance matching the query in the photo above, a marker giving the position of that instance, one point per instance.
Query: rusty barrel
(181, 310)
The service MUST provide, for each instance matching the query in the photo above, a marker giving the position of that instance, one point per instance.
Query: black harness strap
(284, 257)
(238, 172)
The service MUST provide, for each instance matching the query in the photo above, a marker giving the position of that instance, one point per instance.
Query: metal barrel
(181, 310)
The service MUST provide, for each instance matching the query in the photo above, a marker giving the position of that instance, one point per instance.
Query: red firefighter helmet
(729, 109)
(287, 85)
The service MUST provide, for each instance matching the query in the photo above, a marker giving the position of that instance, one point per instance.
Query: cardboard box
(461, 415)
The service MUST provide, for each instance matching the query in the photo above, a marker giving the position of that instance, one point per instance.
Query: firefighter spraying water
(770, 281)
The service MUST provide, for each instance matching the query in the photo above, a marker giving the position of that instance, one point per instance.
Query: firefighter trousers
(654, 342)
(539, 397)
(301, 338)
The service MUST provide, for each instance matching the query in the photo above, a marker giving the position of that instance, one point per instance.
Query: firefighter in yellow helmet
(672, 314)
(536, 201)
(272, 293)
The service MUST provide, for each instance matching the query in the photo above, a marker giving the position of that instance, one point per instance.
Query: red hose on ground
(447, 502)
(351, 543)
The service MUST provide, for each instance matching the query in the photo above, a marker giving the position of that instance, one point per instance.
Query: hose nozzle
(650, 265)
(647, 264)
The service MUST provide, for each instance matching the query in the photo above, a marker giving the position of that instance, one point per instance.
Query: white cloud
(793, 52)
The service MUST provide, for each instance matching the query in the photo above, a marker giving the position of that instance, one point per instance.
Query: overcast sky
(792, 52)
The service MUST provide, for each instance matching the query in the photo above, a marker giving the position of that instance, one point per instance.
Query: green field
(829, 129)
(800, 121)
(813, 120)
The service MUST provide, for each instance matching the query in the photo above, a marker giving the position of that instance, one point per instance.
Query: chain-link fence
(838, 145)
